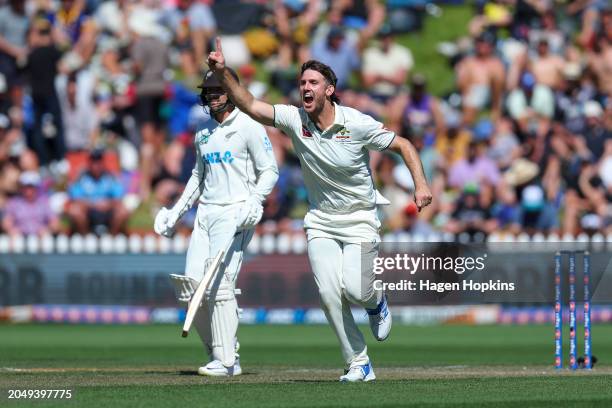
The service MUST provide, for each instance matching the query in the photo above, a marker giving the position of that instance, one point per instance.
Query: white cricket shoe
(358, 373)
(380, 320)
(216, 369)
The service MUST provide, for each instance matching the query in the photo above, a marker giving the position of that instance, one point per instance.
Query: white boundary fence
(260, 244)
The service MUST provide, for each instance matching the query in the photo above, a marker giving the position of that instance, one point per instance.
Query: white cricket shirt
(335, 161)
(234, 161)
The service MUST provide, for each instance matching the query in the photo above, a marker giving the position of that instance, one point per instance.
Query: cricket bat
(198, 295)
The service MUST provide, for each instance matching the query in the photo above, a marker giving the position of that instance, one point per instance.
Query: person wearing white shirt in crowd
(235, 170)
(332, 143)
(384, 81)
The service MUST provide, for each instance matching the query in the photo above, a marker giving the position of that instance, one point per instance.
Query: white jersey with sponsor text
(234, 161)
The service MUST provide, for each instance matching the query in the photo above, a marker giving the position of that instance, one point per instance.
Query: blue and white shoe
(358, 373)
(380, 320)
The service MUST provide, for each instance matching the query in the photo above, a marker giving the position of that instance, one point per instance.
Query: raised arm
(422, 194)
(261, 111)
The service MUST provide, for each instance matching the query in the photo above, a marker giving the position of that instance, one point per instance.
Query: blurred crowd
(98, 108)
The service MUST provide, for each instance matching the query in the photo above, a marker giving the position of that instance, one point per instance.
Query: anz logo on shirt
(218, 157)
(267, 144)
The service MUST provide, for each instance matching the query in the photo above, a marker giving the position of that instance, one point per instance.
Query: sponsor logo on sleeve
(267, 144)
(306, 133)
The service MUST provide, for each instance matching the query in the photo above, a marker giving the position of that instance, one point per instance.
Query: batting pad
(224, 328)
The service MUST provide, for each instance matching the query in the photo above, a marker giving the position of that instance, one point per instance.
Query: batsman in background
(235, 170)
(332, 143)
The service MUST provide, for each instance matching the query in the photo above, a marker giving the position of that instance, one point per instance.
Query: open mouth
(308, 98)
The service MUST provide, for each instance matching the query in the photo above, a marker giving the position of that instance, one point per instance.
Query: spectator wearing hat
(95, 200)
(418, 114)
(29, 212)
(536, 214)
(481, 78)
(595, 135)
(529, 99)
(577, 149)
(532, 106)
(414, 224)
(383, 81)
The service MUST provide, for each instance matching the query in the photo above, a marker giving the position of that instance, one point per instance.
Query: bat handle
(185, 333)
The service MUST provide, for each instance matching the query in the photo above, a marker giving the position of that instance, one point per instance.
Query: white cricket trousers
(340, 277)
(213, 228)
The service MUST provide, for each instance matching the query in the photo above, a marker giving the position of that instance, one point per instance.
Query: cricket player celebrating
(235, 170)
(332, 143)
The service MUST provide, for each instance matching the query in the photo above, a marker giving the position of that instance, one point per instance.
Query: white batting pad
(224, 328)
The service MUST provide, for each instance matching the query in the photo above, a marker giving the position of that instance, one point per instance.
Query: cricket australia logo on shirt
(218, 157)
(343, 135)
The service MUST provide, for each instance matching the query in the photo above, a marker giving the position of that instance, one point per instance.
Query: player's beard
(317, 104)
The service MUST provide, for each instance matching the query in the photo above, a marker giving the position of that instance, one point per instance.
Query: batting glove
(249, 214)
(165, 221)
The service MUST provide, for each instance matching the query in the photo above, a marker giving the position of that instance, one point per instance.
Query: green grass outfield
(298, 366)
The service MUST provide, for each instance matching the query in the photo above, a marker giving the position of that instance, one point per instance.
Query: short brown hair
(327, 73)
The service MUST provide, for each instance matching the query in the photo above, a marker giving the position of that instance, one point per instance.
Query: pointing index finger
(218, 45)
